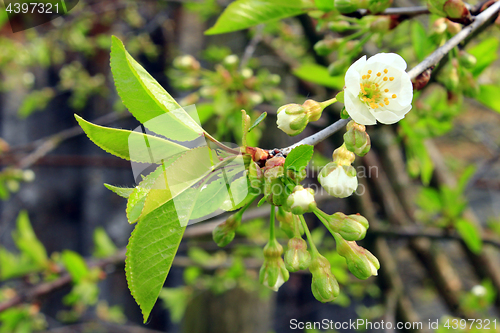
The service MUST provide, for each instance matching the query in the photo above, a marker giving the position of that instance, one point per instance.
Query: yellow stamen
(368, 76)
(385, 71)
(369, 72)
(381, 104)
(385, 78)
(386, 102)
(391, 78)
(378, 74)
(386, 90)
(394, 96)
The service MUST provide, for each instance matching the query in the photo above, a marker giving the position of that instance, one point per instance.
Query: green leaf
(135, 203)
(123, 192)
(429, 200)
(187, 170)
(470, 234)
(319, 74)
(421, 43)
(103, 245)
(324, 5)
(130, 145)
(486, 53)
(242, 14)
(146, 99)
(27, 242)
(488, 96)
(150, 253)
(299, 157)
(75, 264)
(258, 121)
(13, 266)
(176, 301)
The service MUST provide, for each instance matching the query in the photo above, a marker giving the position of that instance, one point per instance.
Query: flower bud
(328, 45)
(296, 175)
(274, 189)
(231, 61)
(255, 175)
(273, 272)
(384, 23)
(274, 79)
(360, 261)
(436, 7)
(297, 257)
(456, 9)
(338, 67)
(313, 109)
(466, 59)
(356, 139)
(449, 77)
(339, 26)
(439, 26)
(343, 156)
(338, 180)
(324, 286)
(453, 28)
(349, 6)
(186, 63)
(246, 73)
(292, 119)
(224, 233)
(301, 200)
(350, 227)
(378, 6)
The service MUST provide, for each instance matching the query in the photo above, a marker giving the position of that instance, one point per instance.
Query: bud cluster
(293, 118)
(356, 139)
(273, 272)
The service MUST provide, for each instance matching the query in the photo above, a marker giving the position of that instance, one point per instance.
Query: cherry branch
(433, 59)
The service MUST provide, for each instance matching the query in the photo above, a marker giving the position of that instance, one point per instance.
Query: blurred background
(429, 187)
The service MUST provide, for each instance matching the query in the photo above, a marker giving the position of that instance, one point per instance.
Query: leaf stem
(328, 102)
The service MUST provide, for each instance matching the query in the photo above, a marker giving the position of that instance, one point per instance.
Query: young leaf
(243, 14)
(130, 145)
(299, 157)
(421, 43)
(103, 245)
(123, 192)
(258, 121)
(75, 264)
(150, 253)
(26, 240)
(319, 74)
(470, 235)
(135, 203)
(146, 99)
(186, 171)
(486, 53)
(487, 96)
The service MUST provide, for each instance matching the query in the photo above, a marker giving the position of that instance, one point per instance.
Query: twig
(437, 55)
(252, 46)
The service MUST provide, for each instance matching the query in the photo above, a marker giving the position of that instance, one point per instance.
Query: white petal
(389, 117)
(358, 111)
(353, 76)
(405, 94)
(390, 59)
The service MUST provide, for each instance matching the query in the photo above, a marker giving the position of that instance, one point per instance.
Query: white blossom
(378, 89)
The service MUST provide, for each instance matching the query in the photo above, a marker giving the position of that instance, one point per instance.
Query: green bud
(456, 9)
(224, 233)
(286, 220)
(273, 272)
(436, 7)
(351, 228)
(292, 119)
(339, 26)
(449, 77)
(324, 286)
(297, 257)
(255, 175)
(301, 200)
(361, 262)
(356, 139)
(328, 45)
(378, 6)
(466, 59)
(338, 67)
(274, 79)
(274, 189)
(347, 6)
